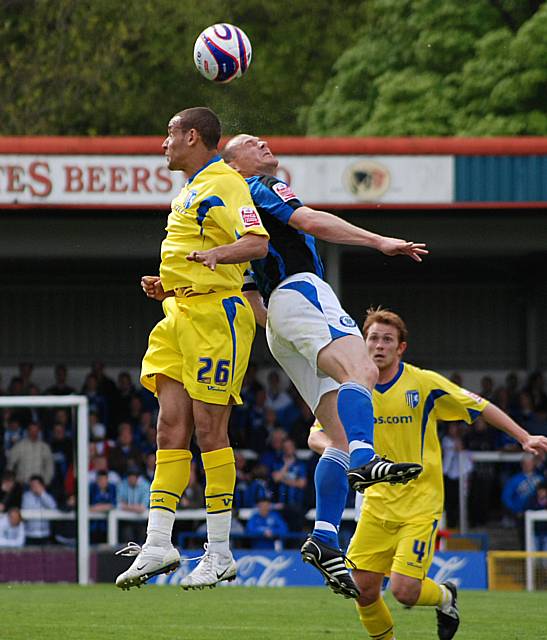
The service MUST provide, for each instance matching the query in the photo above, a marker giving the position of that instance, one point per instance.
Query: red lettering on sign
(14, 173)
(164, 182)
(141, 175)
(95, 179)
(118, 183)
(73, 179)
(39, 172)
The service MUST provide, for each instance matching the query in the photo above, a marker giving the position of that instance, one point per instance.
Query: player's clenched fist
(152, 287)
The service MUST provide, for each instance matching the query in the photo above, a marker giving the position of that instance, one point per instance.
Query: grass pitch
(102, 612)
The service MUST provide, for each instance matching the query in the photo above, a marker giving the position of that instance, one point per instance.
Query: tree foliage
(439, 67)
(125, 66)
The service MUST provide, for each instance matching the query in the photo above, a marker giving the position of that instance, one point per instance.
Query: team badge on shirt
(412, 398)
(190, 199)
(284, 191)
(250, 217)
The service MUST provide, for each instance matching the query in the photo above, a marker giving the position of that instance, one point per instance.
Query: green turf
(102, 612)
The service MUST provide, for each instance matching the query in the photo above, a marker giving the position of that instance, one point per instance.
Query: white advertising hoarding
(128, 181)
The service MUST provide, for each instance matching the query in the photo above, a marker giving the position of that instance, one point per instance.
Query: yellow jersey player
(397, 527)
(198, 354)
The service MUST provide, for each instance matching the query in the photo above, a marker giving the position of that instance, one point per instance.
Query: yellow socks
(220, 477)
(377, 620)
(431, 594)
(170, 478)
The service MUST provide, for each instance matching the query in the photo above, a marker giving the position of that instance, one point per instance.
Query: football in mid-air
(222, 52)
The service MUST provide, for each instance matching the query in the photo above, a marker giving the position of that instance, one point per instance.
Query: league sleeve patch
(472, 395)
(283, 191)
(250, 217)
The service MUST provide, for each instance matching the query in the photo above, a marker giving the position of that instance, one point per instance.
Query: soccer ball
(222, 53)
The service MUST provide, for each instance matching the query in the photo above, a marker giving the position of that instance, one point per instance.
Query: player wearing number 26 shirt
(198, 353)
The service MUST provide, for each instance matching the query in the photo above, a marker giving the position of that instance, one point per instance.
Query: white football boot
(150, 561)
(212, 569)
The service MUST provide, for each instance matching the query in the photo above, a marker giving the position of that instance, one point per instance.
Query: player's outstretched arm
(258, 307)
(153, 288)
(499, 419)
(328, 227)
(250, 247)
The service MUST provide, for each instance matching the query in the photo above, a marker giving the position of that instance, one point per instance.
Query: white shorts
(304, 315)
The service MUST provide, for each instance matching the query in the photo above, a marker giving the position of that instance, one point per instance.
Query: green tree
(439, 67)
(125, 66)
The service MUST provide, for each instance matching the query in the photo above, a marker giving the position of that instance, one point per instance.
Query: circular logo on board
(367, 179)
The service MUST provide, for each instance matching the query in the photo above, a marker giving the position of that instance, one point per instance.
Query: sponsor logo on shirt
(250, 217)
(392, 419)
(412, 398)
(284, 191)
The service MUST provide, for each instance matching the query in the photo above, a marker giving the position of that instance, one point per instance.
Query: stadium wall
(479, 300)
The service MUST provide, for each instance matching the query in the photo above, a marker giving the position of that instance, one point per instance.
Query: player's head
(386, 337)
(190, 131)
(249, 155)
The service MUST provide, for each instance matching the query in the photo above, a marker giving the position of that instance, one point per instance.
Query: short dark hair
(204, 121)
(37, 477)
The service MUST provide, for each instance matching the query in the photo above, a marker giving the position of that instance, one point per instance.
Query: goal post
(81, 465)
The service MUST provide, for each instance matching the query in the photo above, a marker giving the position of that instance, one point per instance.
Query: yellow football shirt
(406, 411)
(214, 208)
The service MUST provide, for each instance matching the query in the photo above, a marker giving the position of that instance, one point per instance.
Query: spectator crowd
(269, 433)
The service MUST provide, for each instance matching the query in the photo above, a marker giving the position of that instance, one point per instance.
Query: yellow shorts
(404, 547)
(204, 342)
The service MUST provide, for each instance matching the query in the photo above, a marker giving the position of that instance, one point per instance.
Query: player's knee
(367, 596)
(406, 594)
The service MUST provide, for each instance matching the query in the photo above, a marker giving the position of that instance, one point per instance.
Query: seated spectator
(25, 374)
(62, 450)
(121, 412)
(290, 478)
(102, 498)
(257, 432)
(535, 387)
(99, 464)
(60, 388)
(126, 453)
(13, 432)
(96, 401)
(11, 492)
(242, 480)
(526, 415)
(519, 491)
(98, 436)
(133, 497)
(149, 443)
(12, 529)
(273, 455)
(258, 487)
(452, 445)
(266, 526)
(194, 494)
(31, 456)
(280, 401)
(483, 482)
(38, 531)
(150, 466)
(487, 388)
(538, 502)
